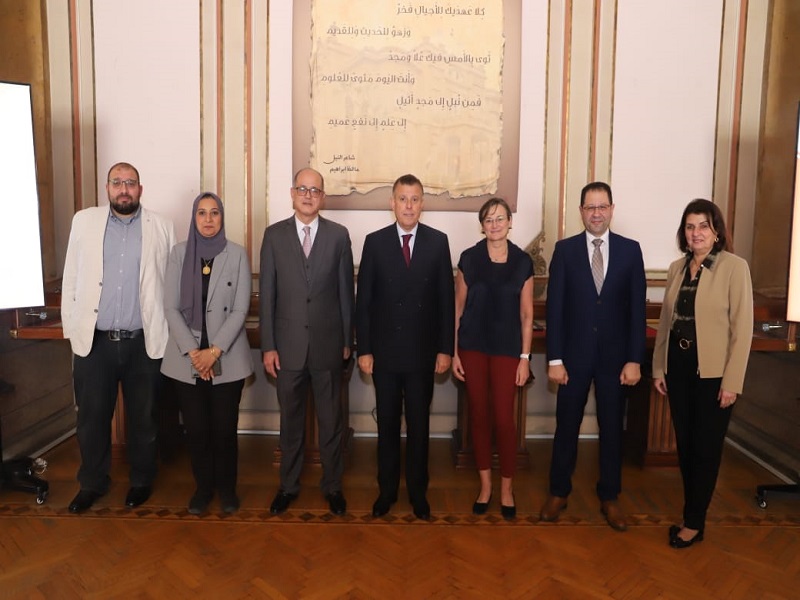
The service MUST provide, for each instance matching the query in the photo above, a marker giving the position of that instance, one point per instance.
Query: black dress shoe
(281, 502)
(422, 510)
(83, 501)
(230, 503)
(199, 503)
(337, 503)
(679, 543)
(138, 495)
(381, 506)
(480, 508)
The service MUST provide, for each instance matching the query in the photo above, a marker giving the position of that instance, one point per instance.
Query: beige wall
(590, 71)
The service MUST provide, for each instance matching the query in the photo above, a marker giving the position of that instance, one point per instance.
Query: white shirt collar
(590, 237)
(401, 232)
(314, 226)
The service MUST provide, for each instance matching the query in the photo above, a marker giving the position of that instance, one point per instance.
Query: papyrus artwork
(407, 87)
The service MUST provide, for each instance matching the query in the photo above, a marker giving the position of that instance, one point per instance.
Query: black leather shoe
(337, 503)
(679, 543)
(422, 510)
(138, 495)
(199, 503)
(673, 531)
(509, 513)
(382, 506)
(281, 502)
(83, 501)
(480, 508)
(230, 503)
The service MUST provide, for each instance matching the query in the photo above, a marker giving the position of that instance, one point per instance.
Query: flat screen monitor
(20, 245)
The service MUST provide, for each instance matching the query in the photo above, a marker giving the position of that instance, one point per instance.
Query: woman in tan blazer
(701, 354)
(206, 300)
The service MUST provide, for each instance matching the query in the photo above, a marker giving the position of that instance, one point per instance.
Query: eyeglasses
(118, 183)
(491, 221)
(601, 208)
(305, 191)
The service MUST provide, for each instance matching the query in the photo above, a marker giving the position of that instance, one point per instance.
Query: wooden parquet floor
(160, 551)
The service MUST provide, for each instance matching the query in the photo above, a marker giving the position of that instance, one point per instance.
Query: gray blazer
(307, 305)
(226, 309)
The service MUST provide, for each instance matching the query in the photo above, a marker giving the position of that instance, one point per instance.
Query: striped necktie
(597, 265)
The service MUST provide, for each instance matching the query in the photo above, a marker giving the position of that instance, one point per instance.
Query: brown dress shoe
(552, 507)
(614, 515)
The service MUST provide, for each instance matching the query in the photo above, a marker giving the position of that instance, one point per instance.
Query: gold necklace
(206, 266)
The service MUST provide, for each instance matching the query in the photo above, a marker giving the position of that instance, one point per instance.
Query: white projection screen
(793, 301)
(21, 268)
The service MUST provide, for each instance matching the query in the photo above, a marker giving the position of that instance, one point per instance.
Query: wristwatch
(525, 356)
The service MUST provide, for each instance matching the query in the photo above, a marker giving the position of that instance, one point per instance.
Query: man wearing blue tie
(595, 334)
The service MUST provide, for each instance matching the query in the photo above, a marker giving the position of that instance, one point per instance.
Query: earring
(716, 239)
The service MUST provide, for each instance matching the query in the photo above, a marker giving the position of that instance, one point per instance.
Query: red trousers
(491, 388)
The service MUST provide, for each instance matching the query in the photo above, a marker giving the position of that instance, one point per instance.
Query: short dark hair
(321, 178)
(407, 179)
(711, 211)
(124, 165)
(597, 186)
(489, 205)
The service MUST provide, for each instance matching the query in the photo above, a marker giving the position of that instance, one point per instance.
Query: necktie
(407, 249)
(597, 265)
(307, 240)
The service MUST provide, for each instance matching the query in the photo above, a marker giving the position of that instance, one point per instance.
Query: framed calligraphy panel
(422, 87)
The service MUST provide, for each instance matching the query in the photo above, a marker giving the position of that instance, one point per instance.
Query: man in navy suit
(405, 333)
(595, 333)
(306, 315)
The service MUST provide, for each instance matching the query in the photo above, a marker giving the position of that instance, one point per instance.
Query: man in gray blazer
(306, 306)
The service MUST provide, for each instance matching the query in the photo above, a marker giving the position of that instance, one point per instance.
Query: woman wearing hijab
(206, 300)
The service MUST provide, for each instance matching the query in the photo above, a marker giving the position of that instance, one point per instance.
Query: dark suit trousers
(610, 397)
(293, 389)
(211, 415)
(700, 426)
(96, 379)
(393, 391)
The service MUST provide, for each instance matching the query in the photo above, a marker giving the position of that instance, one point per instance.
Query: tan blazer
(724, 320)
(83, 278)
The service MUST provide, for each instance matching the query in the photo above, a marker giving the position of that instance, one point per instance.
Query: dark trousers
(491, 389)
(700, 426)
(394, 392)
(96, 379)
(293, 387)
(210, 416)
(571, 402)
